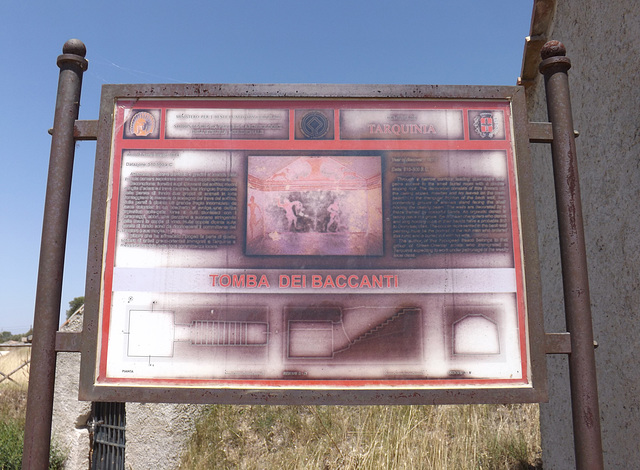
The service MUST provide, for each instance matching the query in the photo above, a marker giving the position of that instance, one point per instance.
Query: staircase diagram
(378, 328)
(329, 335)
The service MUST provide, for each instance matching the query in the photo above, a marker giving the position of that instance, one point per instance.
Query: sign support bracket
(582, 366)
(37, 436)
(48, 340)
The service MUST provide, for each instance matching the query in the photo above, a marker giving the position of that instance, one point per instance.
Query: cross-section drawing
(331, 333)
(475, 334)
(152, 333)
(228, 333)
(475, 330)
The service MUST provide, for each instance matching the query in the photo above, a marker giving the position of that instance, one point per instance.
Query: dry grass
(12, 359)
(13, 403)
(376, 437)
(481, 437)
(13, 391)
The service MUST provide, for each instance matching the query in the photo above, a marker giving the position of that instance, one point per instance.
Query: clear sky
(211, 41)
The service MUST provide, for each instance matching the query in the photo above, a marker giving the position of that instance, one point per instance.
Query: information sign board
(345, 248)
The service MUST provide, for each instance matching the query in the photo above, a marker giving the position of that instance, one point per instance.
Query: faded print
(314, 206)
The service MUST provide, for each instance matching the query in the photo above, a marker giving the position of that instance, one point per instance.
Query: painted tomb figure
(255, 216)
(293, 210)
(334, 215)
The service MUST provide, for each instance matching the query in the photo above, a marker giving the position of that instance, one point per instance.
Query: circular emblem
(142, 124)
(314, 125)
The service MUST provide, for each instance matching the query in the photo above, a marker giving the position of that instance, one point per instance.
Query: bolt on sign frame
(342, 244)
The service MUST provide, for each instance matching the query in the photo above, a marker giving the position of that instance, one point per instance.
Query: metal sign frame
(95, 386)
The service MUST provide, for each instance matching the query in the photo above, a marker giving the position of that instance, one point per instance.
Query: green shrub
(12, 416)
(11, 437)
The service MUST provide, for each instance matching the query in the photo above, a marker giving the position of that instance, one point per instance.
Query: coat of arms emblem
(485, 125)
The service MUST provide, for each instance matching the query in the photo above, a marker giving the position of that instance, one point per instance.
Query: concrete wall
(69, 423)
(603, 43)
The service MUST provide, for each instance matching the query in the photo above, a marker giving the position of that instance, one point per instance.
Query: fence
(14, 364)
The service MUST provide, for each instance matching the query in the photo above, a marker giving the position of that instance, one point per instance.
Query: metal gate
(108, 442)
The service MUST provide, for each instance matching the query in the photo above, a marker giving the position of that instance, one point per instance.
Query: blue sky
(239, 41)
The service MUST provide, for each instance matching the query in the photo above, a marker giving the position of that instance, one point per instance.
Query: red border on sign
(120, 144)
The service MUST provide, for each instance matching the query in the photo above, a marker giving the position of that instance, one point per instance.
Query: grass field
(13, 407)
(13, 402)
(457, 437)
(376, 437)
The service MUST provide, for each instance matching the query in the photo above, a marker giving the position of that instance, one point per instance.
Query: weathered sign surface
(313, 245)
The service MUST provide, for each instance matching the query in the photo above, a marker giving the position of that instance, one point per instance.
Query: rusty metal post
(582, 366)
(52, 249)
